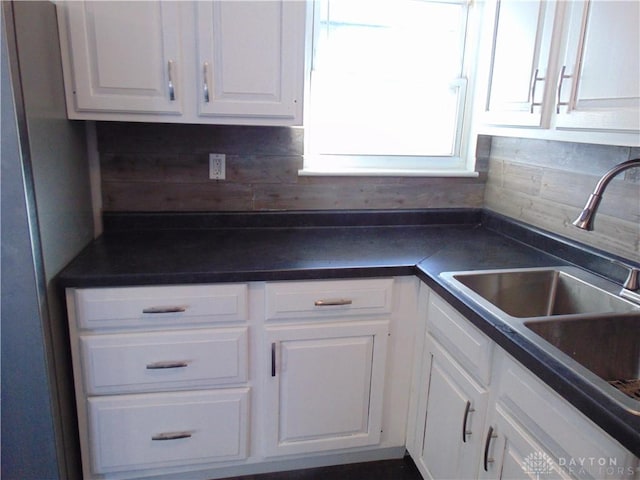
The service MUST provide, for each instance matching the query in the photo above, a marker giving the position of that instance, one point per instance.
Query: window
(387, 87)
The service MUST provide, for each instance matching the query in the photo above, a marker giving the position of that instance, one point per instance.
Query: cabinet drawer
(328, 298)
(133, 432)
(160, 306)
(468, 345)
(139, 362)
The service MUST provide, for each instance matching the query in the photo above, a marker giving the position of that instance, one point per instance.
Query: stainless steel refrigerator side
(45, 194)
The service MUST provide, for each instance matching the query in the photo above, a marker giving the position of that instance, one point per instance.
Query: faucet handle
(633, 279)
(633, 276)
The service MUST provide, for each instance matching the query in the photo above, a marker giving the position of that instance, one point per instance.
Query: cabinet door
(250, 59)
(518, 78)
(599, 85)
(509, 452)
(455, 408)
(123, 57)
(325, 386)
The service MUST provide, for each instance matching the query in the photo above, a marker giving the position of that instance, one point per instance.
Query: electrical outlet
(217, 166)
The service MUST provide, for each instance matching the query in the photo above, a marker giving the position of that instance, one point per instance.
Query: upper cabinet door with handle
(599, 80)
(520, 44)
(250, 59)
(121, 57)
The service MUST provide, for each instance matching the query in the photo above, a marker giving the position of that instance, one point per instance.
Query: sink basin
(526, 293)
(575, 316)
(608, 346)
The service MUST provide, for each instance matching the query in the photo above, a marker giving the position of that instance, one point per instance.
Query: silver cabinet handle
(273, 359)
(487, 443)
(466, 432)
(168, 309)
(563, 77)
(534, 81)
(205, 81)
(172, 93)
(167, 364)
(333, 303)
(171, 436)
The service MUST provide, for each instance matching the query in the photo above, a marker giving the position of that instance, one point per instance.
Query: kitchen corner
(159, 322)
(145, 249)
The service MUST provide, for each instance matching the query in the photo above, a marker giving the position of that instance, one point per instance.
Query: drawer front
(135, 432)
(468, 345)
(330, 298)
(160, 306)
(139, 362)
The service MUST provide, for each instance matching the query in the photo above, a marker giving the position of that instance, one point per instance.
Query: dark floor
(403, 469)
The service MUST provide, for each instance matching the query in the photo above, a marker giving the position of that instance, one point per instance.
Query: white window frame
(461, 164)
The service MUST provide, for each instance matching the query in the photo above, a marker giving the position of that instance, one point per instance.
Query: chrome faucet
(585, 221)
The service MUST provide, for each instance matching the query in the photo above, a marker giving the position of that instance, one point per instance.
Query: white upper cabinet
(123, 58)
(567, 70)
(230, 62)
(249, 54)
(518, 80)
(599, 83)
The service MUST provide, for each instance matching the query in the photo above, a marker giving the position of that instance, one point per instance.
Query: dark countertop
(144, 249)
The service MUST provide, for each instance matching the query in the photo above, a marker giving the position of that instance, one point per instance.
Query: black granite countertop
(142, 249)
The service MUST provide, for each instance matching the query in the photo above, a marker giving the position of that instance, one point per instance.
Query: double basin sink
(575, 316)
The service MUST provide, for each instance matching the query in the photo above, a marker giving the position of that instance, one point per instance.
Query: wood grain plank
(611, 234)
(157, 197)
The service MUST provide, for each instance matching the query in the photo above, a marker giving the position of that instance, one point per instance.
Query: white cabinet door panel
(518, 78)
(249, 59)
(124, 59)
(455, 410)
(512, 454)
(326, 386)
(601, 88)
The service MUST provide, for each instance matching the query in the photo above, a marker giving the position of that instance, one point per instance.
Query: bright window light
(387, 86)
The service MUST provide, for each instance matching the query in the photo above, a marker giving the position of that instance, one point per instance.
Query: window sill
(376, 172)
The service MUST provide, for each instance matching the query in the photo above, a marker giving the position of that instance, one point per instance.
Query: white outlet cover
(217, 167)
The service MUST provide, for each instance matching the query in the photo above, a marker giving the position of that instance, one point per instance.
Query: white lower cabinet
(537, 433)
(215, 381)
(326, 386)
(452, 393)
(478, 413)
(511, 453)
(455, 407)
(161, 377)
(198, 382)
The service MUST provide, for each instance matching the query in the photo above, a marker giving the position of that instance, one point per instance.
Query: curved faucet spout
(585, 219)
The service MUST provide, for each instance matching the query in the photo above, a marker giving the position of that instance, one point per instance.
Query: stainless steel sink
(607, 346)
(527, 293)
(574, 316)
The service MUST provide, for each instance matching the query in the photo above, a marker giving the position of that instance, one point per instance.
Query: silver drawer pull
(333, 303)
(171, 435)
(167, 364)
(169, 309)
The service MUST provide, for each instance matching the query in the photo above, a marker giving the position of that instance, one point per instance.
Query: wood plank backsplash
(164, 167)
(546, 184)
